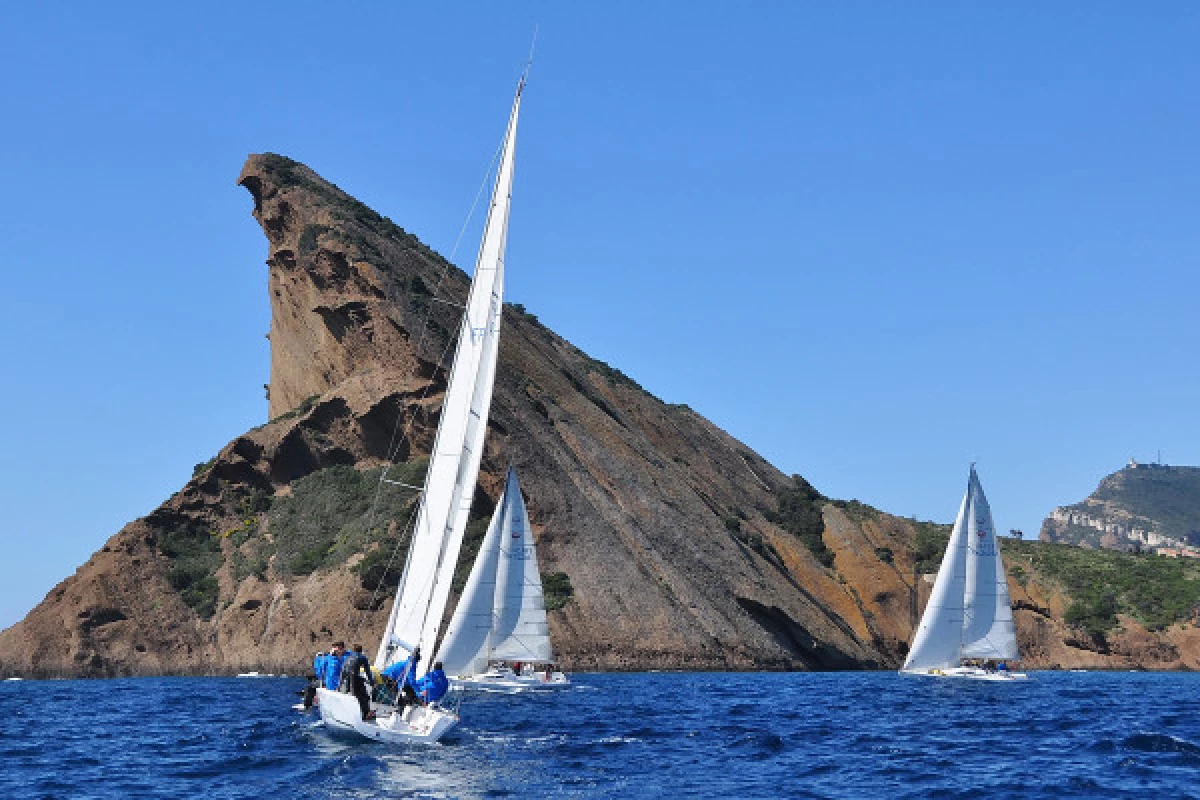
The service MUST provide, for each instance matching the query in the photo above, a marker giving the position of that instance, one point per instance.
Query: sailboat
(968, 616)
(445, 500)
(500, 620)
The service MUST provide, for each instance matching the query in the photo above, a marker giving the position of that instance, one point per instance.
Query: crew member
(319, 666)
(403, 675)
(434, 685)
(309, 692)
(352, 680)
(331, 674)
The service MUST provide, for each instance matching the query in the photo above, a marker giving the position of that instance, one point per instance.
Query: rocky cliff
(1143, 507)
(667, 543)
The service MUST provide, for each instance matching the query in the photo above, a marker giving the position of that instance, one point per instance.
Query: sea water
(834, 735)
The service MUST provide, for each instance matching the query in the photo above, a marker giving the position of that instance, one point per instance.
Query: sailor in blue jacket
(434, 685)
(332, 674)
(404, 675)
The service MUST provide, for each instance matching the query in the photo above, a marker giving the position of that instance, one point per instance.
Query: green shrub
(1095, 612)
(328, 516)
(556, 590)
(859, 512)
(380, 568)
(195, 556)
(1156, 591)
(305, 406)
(929, 545)
(799, 513)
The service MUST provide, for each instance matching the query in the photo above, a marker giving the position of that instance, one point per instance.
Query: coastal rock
(681, 547)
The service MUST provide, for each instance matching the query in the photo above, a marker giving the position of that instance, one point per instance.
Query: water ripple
(837, 735)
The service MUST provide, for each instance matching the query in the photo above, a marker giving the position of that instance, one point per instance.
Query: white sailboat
(445, 501)
(500, 621)
(968, 615)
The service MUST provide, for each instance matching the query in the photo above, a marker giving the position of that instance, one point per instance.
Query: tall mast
(458, 447)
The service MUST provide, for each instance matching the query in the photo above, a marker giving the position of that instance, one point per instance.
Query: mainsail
(968, 614)
(501, 614)
(454, 462)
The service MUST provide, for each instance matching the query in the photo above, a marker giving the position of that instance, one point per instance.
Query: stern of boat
(422, 724)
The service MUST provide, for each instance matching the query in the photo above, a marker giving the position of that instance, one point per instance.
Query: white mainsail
(454, 462)
(968, 614)
(501, 614)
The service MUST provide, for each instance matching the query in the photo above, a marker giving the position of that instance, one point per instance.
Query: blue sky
(873, 241)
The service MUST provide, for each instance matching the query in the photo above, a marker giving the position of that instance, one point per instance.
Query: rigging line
(410, 526)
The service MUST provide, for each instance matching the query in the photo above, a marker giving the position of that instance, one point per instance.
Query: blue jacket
(433, 686)
(319, 666)
(403, 672)
(332, 675)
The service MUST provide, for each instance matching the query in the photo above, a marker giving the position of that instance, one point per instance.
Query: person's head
(358, 648)
(437, 665)
(338, 647)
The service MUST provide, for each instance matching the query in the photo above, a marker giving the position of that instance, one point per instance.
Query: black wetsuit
(352, 680)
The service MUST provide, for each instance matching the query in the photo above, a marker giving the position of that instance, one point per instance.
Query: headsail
(988, 630)
(454, 462)
(465, 646)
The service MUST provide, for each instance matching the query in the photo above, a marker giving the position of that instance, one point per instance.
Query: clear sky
(874, 241)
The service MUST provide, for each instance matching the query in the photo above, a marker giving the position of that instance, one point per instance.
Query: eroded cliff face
(1150, 508)
(668, 530)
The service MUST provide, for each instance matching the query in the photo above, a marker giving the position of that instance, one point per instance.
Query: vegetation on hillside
(929, 545)
(1168, 496)
(556, 590)
(195, 555)
(1154, 590)
(327, 518)
(799, 513)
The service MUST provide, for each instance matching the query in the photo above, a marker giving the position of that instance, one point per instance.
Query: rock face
(1143, 507)
(680, 546)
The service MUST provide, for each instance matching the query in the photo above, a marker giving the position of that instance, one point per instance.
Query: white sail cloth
(501, 614)
(969, 614)
(454, 463)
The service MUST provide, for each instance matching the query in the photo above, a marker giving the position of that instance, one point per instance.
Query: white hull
(970, 673)
(419, 724)
(509, 681)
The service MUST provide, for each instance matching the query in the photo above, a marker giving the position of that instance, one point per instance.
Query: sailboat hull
(509, 681)
(969, 673)
(418, 724)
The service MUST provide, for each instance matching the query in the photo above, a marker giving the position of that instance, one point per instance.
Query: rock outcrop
(1142, 508)
(680, 547)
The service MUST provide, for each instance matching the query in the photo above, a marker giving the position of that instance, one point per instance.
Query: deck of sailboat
(969, 673)
(507, 680)
(423, 724)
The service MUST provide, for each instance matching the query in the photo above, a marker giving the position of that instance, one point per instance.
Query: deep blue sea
(834, 735)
